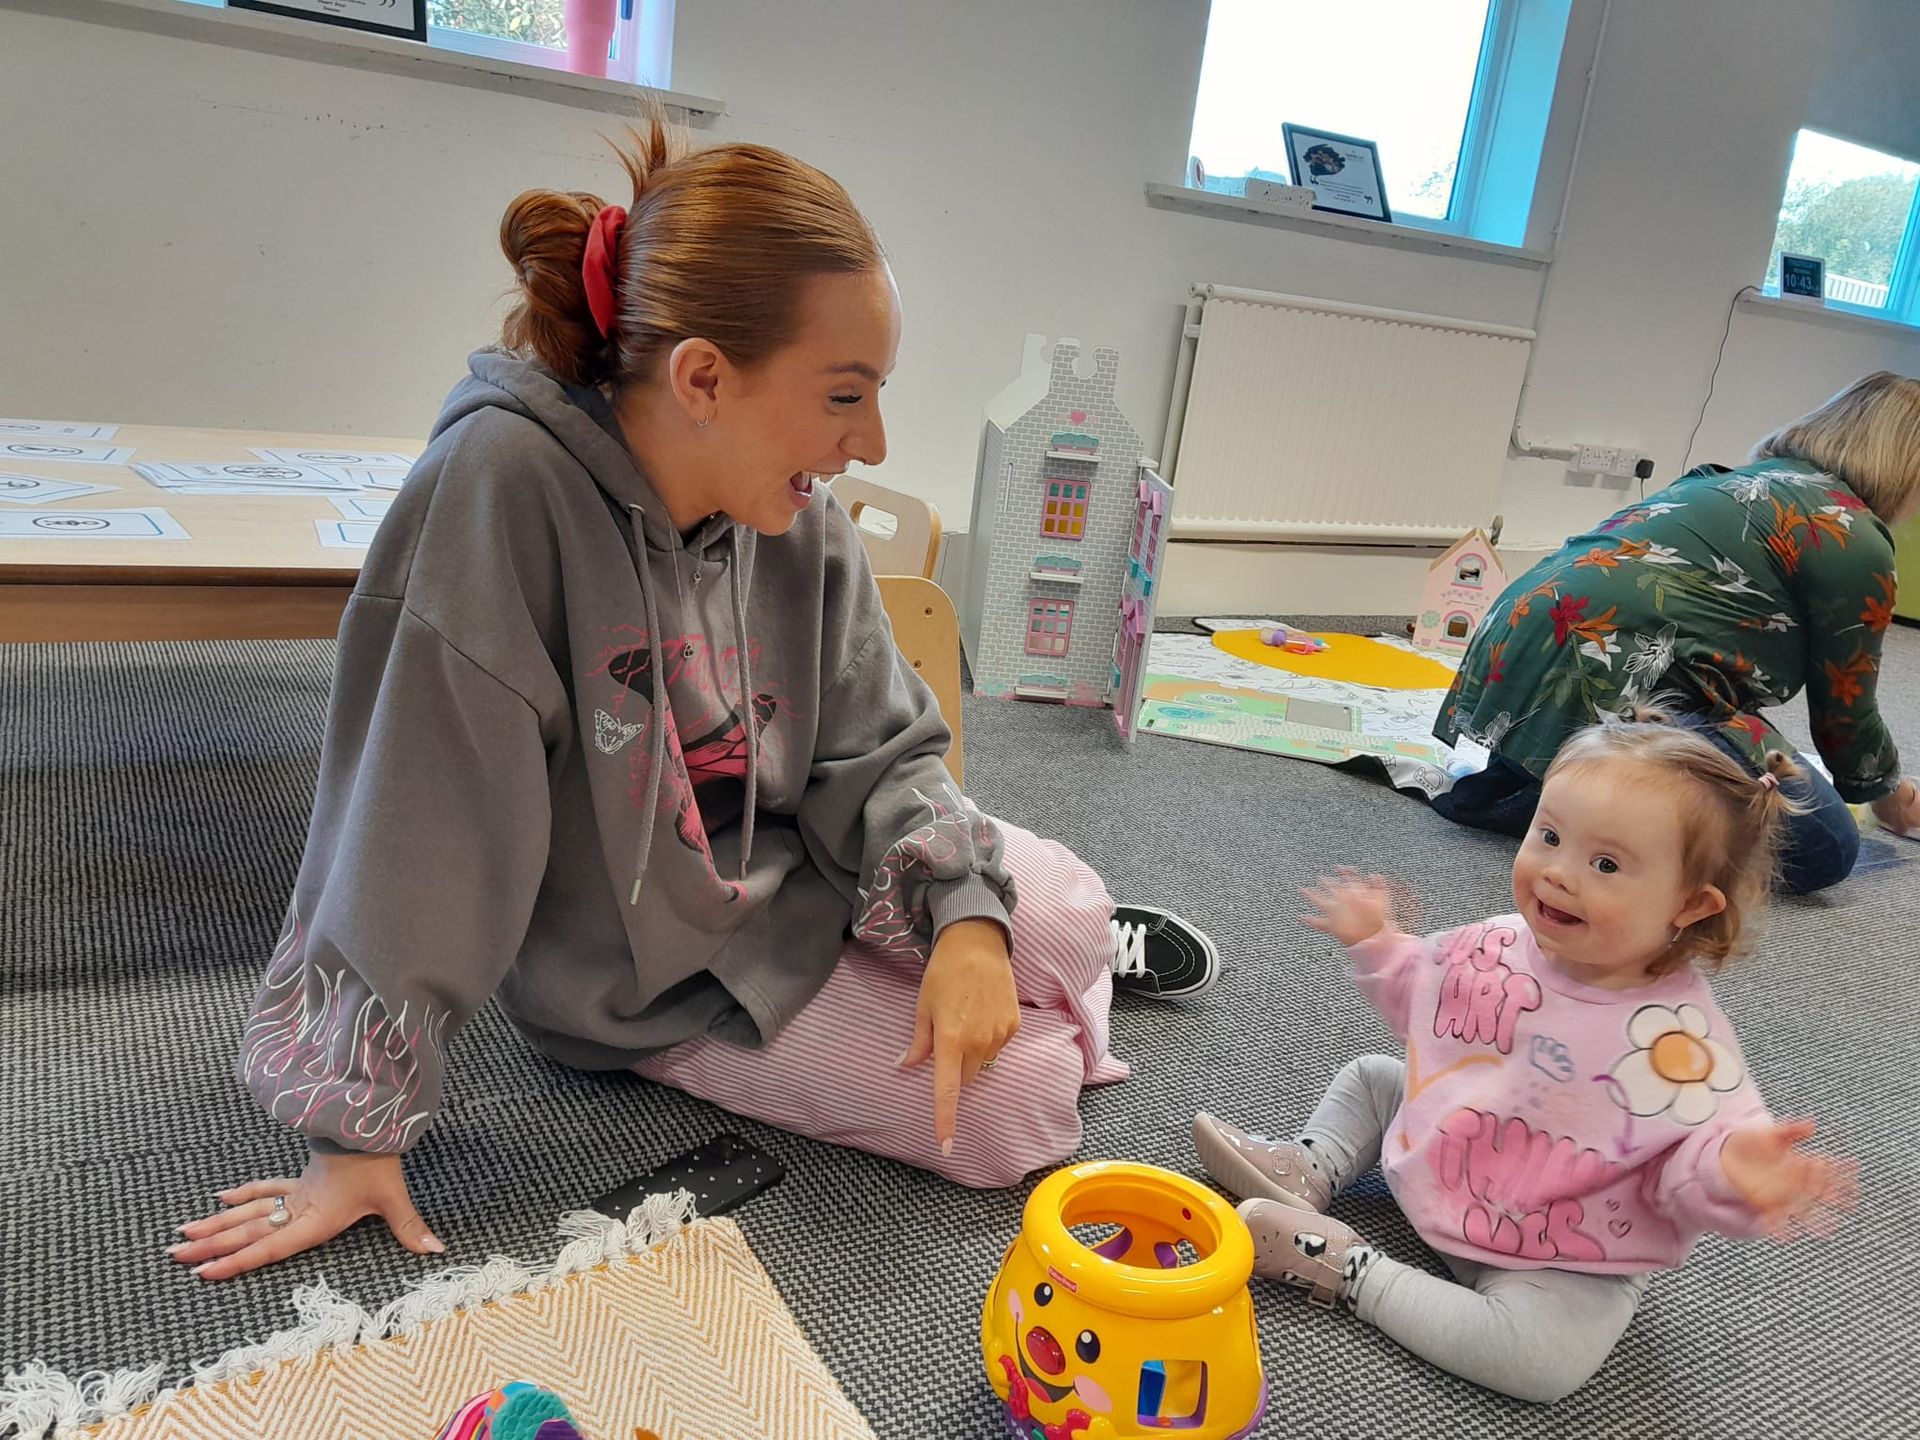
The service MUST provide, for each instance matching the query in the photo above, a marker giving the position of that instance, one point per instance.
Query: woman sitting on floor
(620, 736)
(1725, 594)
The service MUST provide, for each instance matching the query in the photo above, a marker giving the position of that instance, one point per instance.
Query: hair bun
(1778, 766)
(544, 237)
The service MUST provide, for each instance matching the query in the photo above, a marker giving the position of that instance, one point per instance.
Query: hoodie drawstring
(657, 722)
(657, 747)
(747, 712)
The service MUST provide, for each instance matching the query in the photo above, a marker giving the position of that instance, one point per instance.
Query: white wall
(221, 237)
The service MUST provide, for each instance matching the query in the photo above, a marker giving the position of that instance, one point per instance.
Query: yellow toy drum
(1148, 1330)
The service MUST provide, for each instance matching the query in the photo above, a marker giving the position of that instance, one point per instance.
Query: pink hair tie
(598, 266)
(1769, 781)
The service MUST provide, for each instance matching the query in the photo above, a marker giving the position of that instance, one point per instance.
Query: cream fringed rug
(646, 1326)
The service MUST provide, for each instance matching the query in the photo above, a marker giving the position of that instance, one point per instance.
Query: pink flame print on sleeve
(1482, 997)
(941, 849)
(1519, 1187)
(334, 1068)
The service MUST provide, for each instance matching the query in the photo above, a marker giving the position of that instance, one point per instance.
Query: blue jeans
(1817, 849)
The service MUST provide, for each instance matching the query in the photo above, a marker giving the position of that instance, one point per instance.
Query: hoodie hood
(581, 419)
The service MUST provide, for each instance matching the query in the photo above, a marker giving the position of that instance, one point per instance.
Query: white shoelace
(1129, 949)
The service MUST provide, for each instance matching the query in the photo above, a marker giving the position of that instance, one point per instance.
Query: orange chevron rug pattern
(684, 1337)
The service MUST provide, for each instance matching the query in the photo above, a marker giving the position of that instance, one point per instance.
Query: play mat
(1197, 690)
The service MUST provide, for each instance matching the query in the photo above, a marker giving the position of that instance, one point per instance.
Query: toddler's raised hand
(1795, 1192)
(1350, 907)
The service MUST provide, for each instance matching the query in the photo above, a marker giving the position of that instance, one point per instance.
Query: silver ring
(989, 1064)
(281, 1215)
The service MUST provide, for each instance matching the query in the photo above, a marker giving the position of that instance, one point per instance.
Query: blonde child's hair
(1732, 820)
(1868, 435)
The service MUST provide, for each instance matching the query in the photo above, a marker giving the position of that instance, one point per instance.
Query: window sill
(299, 40)
(1825, 314)
(1399, 237)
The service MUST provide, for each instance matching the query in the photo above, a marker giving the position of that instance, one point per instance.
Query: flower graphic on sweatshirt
(1676, 1067)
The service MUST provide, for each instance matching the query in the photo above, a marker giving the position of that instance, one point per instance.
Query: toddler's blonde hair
(1731, 818)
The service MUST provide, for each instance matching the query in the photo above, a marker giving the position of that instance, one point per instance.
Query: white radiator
(1300, 419)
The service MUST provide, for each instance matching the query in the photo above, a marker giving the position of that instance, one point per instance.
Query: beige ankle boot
(1299, 1247)
(1251, 1166)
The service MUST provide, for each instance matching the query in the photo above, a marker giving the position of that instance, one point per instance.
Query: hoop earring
(702, 424)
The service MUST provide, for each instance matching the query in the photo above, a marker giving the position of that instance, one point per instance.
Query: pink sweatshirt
(1550, 1123)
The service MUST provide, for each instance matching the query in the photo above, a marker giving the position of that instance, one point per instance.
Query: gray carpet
(152, 805)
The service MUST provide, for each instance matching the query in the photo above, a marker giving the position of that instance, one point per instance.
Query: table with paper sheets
(142, 532)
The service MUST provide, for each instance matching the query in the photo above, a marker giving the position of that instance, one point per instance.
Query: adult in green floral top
(1726, 594)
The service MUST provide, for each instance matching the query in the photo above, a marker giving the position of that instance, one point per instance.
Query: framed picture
(1803, 277)
(405, 19)
(1343, 172)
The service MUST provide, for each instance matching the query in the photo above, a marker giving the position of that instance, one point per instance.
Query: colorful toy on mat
(517, 1411)
(1129, 1336)
(1286, 637)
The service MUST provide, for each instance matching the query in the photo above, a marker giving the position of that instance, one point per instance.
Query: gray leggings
(1533, 1334)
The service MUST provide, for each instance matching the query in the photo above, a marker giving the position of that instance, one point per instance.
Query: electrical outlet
(1604, 460)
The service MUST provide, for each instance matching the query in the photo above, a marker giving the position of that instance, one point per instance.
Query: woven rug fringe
(37, 1402)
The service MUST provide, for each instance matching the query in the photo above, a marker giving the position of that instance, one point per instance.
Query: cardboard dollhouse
(1069, 532)
(1460, 588)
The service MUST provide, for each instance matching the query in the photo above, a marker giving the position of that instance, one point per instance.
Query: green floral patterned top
(1726, 593)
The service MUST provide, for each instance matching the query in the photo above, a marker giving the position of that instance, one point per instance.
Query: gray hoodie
(638, 785)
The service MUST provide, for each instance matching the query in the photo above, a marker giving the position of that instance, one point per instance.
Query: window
(1456, 94)
(1065, 516)
(1049, 627)
(534, 32)
(1853, 208)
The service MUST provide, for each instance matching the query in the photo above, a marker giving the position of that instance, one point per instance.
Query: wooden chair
(902, 534)
(927, 630)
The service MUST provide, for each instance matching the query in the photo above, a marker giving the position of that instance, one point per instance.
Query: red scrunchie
(597, 266)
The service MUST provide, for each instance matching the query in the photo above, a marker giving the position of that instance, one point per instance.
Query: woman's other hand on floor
(333, 1192)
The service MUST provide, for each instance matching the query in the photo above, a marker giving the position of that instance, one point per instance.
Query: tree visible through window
(1847, 205)
(536, 22)
(1397, 72)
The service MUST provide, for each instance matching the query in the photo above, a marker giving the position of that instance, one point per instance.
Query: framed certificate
(406, 19)
(1343, 172)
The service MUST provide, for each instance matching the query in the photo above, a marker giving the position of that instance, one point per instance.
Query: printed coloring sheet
(346, 534)
(63, 450)
(249, 478)
(369, 459)
(360, 507)
(59, 429)
(37, 490)
(142, 524)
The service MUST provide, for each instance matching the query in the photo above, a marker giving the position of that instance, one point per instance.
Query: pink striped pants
(831, 1074)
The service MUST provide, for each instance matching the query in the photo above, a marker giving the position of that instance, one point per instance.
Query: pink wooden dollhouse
(1068, 534)
(1460, 588)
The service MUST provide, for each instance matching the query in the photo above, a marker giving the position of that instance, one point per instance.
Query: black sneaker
(1157, 953)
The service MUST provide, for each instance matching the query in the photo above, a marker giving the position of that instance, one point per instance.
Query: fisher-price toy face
(1056, 1353)
(1147, 1328)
